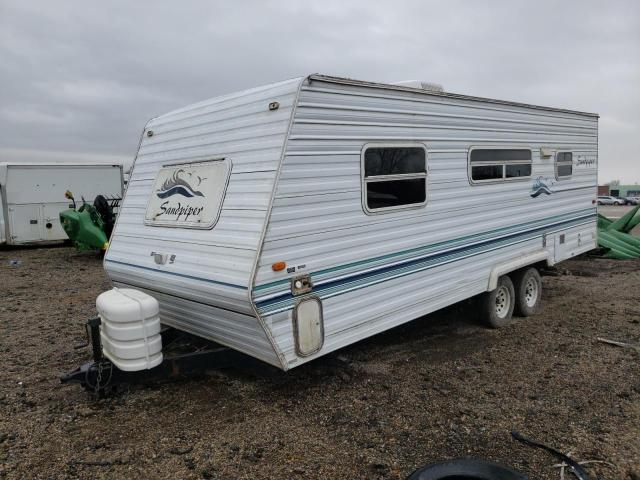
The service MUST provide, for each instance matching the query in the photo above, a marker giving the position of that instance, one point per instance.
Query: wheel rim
(503, 302)
(531, 292)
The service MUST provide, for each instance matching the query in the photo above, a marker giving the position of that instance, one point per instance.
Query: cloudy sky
(79, 79)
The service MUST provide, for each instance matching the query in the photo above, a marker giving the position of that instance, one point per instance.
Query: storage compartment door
(51, 228)
(308, 326)
(24, 224)
(574, 242)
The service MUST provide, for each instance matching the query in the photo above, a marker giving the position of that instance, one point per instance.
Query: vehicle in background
(32, 196)
(609, 200)
(632, 200)
(89, 226)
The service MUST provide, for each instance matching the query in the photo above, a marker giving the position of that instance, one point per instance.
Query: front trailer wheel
(497, 305)
(528, 288)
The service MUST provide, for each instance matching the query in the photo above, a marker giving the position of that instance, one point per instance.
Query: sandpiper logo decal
(176, 185)
(188, 195)
(541, 185)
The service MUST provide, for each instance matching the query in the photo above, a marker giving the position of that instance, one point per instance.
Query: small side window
(564, 165)
(394, 177)
(499, 164)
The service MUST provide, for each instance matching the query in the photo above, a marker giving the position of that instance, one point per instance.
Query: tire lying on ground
(528, 288)
(496, 306)
(466, 469)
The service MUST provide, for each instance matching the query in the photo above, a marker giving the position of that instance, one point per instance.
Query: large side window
(564, 165)
(394, 177)
(499, 164)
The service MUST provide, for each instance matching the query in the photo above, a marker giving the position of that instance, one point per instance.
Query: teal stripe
(427, 248)
(350, 284)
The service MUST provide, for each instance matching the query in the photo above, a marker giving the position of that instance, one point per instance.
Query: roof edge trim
(386, 86)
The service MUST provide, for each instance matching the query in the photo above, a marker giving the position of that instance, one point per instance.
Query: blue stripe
(178, 274)
(475, 249)
(425, 248)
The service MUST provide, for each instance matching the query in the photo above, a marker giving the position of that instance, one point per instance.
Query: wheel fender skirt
(515, 264)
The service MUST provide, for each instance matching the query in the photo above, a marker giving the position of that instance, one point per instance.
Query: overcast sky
(79, 79)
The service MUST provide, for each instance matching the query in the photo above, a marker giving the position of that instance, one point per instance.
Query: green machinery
(89, 226)
(615, 236)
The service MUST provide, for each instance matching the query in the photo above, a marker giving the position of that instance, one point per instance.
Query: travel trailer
(32, 197)
(290, 220)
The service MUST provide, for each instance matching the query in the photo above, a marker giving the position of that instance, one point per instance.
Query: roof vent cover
(432, 87)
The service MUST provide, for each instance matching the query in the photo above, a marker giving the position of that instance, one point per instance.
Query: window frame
(504, 179)
(364, 180)
(564, 162)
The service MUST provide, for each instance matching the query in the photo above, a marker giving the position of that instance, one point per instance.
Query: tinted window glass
(564, 164)
(500, 155)
(565, 170)
(518, 170)
(565, 157)
(393, 193)
(394, 161)
(486, 172)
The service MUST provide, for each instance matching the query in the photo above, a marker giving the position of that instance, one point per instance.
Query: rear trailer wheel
(497, 305)
(528, 288)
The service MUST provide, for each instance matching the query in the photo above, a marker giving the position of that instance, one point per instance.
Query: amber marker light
(276, 267)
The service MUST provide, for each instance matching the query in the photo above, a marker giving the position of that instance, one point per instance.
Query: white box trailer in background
(291, 220)
(32, 196)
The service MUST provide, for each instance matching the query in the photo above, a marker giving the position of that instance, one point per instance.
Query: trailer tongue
(186, 355)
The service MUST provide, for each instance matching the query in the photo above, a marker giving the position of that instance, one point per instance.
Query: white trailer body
(291, 220)
(32, 196)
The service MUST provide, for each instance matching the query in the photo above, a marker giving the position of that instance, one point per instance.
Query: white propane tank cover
(130, 329)
(123, 303)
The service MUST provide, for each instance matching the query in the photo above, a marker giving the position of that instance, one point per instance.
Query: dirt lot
(437, 388)
(613, 211)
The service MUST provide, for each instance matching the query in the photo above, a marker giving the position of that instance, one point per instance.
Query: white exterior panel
(295, 195)
(373, 272)
(32, 195)
(201, 275)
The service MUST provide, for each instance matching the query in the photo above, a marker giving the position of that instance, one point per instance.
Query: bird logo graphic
(181, 183)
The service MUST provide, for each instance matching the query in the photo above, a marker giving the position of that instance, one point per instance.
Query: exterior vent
(432, 87)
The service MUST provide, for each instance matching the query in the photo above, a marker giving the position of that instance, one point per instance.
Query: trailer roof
(387, 86)
(60, 164)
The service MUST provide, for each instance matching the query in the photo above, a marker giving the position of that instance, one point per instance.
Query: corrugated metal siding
(232, 329)
(318, 221)
(205, 290)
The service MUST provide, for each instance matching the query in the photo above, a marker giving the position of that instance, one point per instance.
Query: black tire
(528, 287)
(467, 469)
(599, 203)
(617, 204)
(106, 212)
(496, 306)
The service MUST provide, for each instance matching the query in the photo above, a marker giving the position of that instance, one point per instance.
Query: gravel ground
(438, 388)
